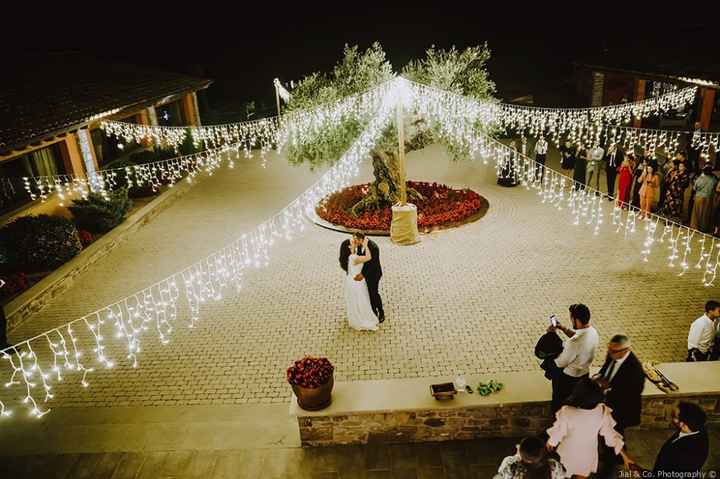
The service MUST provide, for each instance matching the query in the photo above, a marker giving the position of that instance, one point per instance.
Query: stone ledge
(35, 298)
(392, 411)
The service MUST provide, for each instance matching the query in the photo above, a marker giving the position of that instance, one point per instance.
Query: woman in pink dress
(576, 429)
(650, 182)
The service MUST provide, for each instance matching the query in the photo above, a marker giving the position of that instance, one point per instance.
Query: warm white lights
(154, 309)
(466, 125)
(463, 121)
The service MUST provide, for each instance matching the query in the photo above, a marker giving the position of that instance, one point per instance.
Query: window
(109, 148)
(170, 114)
(43, 162)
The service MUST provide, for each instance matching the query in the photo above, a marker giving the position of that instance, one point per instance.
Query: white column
(152, 115)
(196, 110)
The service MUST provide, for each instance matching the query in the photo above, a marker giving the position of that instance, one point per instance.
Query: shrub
(40, 243)
(150, 156)
(188, 147)
(122, 182)
(99, 215)
(14, 283)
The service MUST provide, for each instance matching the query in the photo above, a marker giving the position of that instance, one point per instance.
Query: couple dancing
(360, 259)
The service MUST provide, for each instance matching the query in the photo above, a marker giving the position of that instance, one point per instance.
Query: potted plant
(311, 379)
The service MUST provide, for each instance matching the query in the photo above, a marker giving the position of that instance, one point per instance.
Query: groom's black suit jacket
(372, 268)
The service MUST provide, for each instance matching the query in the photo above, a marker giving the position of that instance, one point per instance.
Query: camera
(553, 320)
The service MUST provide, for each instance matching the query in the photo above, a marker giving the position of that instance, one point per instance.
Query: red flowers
(86, 237)
(310, 372)
(441, 205)
(14, 284)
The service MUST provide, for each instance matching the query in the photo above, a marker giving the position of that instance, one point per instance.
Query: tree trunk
(384, 190)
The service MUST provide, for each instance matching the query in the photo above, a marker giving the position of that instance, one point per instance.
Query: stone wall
(463, 423)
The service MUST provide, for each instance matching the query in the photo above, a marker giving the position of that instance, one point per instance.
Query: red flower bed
(441, 206)
(86, 237)
(310, 372)
(14, 283)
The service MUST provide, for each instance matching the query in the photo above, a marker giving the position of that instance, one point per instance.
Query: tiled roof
(46, 95)
(672, 64)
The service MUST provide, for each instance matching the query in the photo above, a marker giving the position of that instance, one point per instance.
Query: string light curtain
(34, 365)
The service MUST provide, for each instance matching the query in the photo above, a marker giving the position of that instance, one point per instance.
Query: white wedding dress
(357, 299)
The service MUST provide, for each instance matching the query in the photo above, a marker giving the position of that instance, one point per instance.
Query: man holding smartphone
(577, 355)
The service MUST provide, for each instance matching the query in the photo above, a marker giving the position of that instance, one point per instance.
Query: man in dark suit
(686, 450)
(371, 270)
(622, 379)
(613, 159)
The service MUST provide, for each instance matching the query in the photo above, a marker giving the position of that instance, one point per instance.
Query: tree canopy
(458, 71)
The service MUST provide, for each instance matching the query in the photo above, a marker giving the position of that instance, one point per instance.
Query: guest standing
(530, 462)
(567, 150)
(577, 426)
(687, 450)
(702, 206)
(622, 380)
(650, 182)
(577, 354)
(641, 164)
(702, 334)
(676, 182)
(594, 166)
(580, 167)
(541, 148)
(508, 175)
(625, 178)
(613, 159)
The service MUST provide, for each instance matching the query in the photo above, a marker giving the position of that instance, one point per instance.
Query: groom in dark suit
(371, 271)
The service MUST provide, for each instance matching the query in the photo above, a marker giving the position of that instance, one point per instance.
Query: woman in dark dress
(567, 152)
(507, 176)
(676, 182)
(580, 167)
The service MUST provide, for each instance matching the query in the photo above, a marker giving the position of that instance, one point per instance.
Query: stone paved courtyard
(469, 300)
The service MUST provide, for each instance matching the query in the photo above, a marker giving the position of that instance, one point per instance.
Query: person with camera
(577, 354)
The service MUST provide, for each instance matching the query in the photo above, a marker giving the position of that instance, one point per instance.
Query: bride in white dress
(357, 298)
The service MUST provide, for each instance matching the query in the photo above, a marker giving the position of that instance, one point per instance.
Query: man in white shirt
(577, 355)
(703, 331)
(541, 148)
(594, 166)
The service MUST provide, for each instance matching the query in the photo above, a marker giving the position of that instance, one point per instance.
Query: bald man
(623, 380)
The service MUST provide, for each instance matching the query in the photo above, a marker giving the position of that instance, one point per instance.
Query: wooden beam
(708, 102)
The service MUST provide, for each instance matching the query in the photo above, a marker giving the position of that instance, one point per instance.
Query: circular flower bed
(442, 206)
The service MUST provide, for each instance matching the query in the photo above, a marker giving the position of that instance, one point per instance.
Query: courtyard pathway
(468, 300)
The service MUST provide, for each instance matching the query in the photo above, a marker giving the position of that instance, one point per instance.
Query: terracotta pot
(314, 399)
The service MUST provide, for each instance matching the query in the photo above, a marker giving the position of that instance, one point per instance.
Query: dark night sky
(244, 50)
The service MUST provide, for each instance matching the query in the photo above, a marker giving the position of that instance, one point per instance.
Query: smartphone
(553, 321)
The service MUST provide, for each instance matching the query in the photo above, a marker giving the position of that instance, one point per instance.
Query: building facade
(51, 112)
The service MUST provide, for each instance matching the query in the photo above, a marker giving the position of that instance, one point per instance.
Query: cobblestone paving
(469, 300)
(469, 459)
